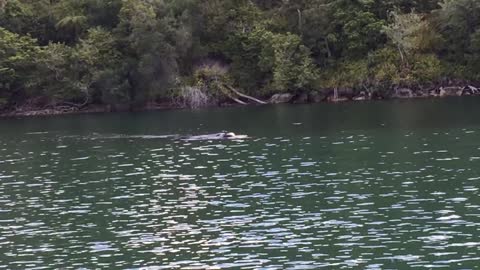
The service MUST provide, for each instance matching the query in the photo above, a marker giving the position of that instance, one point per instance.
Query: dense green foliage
(132, 52)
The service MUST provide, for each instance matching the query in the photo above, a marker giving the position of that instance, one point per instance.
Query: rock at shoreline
(340, 95)
(362, 96)
(315, 97)
(300, 98)
(451, 91)
(403, 93)
(470, 91)
(281, 98)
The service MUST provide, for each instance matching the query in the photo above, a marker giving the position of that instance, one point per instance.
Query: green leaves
(290, 62)
(281, 61)
(18, 64)
(73, 24)
(133, 52)
(404, 32)
(148, 32)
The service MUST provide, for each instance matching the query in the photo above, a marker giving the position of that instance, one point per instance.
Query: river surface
(378, 185)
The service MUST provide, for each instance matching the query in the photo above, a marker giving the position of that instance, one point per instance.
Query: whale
(215, 136)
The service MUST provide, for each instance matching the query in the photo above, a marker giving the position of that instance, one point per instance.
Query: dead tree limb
(245, 96)
(230, 96)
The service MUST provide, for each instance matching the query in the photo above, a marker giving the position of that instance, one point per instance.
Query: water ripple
(353, 200)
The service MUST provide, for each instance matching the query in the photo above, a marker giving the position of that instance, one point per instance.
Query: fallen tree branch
(473, 89)
(238, 101)
(71, 104)
(245, 96)
(231, 97)
(78, 106)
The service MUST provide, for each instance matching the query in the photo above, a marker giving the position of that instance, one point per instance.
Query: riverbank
(65, 110)
(324, 96)
(348, 94)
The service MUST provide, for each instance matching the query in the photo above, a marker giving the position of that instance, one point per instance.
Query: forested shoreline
(59, 56)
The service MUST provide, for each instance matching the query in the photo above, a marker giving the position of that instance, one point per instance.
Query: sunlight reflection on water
(352, 200)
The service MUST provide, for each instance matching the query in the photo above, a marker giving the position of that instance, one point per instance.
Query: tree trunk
(300, 22)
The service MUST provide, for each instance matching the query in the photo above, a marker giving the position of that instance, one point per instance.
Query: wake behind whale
(204, 137)
(215, 136)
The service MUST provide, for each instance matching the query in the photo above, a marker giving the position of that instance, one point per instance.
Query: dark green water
(389, 185)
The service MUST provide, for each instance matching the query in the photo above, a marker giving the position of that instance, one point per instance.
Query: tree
(133, 52)
(150, 34)
(29, 17)
(458, 22)
(17, 64)
(404, 32)
(288, 60)
(99, 68)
